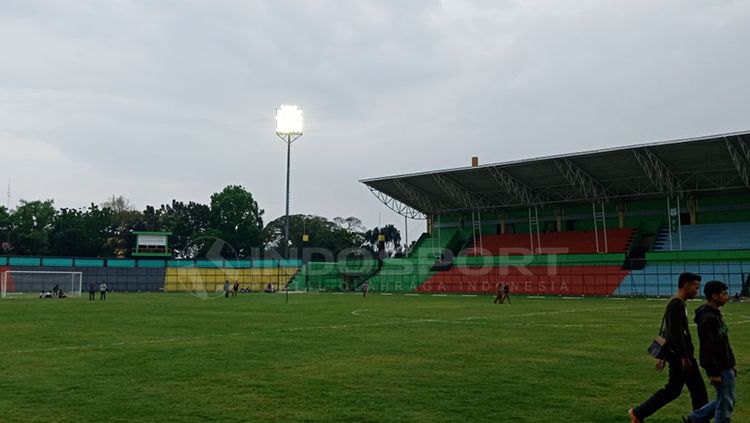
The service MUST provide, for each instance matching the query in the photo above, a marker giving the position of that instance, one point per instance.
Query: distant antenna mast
(8, 193)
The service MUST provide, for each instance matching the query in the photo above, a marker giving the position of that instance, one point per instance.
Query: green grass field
(321, 358)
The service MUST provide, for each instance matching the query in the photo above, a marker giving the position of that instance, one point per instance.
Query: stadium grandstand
(623, 221)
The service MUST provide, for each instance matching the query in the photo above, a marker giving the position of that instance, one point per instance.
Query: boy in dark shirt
(717, 357)
(683, 368)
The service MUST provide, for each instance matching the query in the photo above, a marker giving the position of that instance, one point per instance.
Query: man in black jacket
(717, 357)
(683, 368)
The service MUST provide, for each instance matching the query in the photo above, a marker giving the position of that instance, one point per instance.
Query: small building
(152, 244)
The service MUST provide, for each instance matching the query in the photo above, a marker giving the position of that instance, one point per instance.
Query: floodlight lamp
(289, 121)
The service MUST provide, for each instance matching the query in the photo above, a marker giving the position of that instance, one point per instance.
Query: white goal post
(18, 282)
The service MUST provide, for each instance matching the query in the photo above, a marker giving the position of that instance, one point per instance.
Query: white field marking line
(357, 312)
(547, 313)
(572, 298)
(735, 314)
(468, 295)
(512, 316)
(386, 293)
(657, 299)
(537, 298)
(411, 295)
(439, 295)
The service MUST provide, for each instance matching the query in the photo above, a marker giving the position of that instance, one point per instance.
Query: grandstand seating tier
(708, 237)
(583, 242)
(401, 275)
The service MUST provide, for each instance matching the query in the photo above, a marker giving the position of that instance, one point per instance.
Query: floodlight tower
(289, 124)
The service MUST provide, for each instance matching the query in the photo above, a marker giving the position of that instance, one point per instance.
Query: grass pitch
(321, 358)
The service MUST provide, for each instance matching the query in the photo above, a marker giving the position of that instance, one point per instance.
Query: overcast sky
(156, 100)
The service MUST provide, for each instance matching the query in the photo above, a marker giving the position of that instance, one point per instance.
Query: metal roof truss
(589, 187)
(659, 174)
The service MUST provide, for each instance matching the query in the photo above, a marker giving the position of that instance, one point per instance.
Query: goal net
(20, 282)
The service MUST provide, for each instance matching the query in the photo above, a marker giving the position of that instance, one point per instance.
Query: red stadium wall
(10, 287)
(530, 280)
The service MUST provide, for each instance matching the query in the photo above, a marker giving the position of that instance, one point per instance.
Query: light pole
(289, 125)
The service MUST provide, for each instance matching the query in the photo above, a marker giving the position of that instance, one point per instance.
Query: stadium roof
(672, 168)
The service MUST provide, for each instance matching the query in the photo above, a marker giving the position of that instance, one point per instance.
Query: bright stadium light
(289, 125)
(289, 121)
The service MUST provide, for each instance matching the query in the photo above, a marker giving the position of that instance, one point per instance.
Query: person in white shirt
(103, 291)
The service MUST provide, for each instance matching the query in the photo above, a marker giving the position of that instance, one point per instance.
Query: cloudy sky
(157, 100)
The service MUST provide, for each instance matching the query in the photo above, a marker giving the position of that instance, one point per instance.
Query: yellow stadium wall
(180, 279)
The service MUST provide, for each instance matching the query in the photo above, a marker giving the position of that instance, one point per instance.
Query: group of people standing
(678, 353)
(102, 291)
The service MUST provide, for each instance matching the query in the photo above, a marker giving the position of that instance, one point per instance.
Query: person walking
(103, 291)
(506, 294)
(92, 290)
(683, 368)
(235, 288)
(499, 290)
(226, 288)
(716, 356)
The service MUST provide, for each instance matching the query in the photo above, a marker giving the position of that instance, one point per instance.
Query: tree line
(37, 228)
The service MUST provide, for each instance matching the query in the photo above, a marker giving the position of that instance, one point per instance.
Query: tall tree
(351, 224)
(323, 233)
(149, 220)
(190, 227)
(31, 225)
(81, 232)
(237, 219)
(392, 239)
(125, 218)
